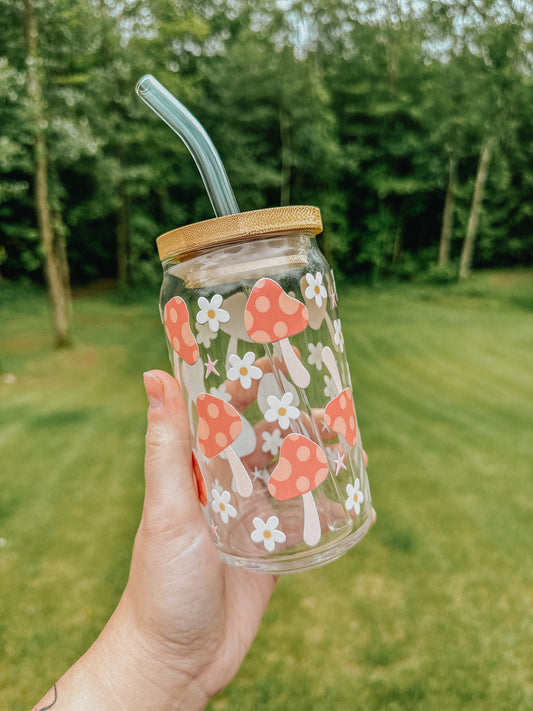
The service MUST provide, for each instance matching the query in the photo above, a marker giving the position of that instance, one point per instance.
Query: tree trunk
(60, 242)
(60, 254)
(447, 216)
(123, 239)
(285, 136)
(398, 242)
(54, 250)
(467, 252)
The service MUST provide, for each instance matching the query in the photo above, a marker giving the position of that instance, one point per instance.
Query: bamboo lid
(243, 225)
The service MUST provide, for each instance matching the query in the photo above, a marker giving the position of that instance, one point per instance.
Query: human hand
(185, 620)
(194, 613)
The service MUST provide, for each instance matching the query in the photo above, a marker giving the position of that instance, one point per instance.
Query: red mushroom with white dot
(302, 466)
(272, 316)
(178, 330)
(339, 414)
(219, 425)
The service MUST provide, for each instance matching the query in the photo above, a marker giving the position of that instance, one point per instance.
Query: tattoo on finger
(45, 708)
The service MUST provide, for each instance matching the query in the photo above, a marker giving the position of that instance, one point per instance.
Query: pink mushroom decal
(302, 466)
(272, 316)
(219, 425)
(178, 330)
(340, 411)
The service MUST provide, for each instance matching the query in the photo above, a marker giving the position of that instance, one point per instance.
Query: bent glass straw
(192, 133)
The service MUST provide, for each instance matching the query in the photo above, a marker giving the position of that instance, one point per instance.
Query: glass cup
(249, 307)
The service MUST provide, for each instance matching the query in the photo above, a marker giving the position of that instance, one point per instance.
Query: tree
(267, 107)
(379, 94)
(447, 215)
(489, 44)
(17, 246)
(377, 112)
(467, 252)
(50, 230)
(141, 168)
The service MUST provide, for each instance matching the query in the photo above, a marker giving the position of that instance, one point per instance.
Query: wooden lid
(243, 225)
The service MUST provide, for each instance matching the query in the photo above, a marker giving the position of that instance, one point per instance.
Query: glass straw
(192, 133)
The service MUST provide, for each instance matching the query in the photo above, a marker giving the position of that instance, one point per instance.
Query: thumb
(171, 493)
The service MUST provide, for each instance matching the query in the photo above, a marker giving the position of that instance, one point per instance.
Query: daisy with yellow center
(281, 410)
(243, 369)
(315, 289)
(211, 312)
(267, 532)
(355, 497)
(221, 505)
(338, 338)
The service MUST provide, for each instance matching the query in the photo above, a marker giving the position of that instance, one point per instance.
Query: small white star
(260, 474)
(325, 427)
(210, 366)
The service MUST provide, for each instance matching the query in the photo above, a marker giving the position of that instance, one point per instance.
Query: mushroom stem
(232, 348)
(330, 327)
(243, 482)
(328, 358)
(296, 369)
(312, 530)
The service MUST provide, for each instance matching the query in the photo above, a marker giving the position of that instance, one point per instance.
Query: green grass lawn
(432, 611)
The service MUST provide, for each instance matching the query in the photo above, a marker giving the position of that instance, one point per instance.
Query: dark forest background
(408, 122)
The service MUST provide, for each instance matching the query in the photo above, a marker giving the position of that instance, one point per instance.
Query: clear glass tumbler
(249, 307)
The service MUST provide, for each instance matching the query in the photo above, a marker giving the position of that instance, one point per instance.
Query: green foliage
(440, 275)
(354, 107)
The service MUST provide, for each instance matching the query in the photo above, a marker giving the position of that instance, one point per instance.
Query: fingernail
(154, 391)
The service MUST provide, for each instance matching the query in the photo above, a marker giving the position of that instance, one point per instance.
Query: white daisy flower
(220, 392)
(355, 497)
(315, 289)
(315, 355)
(272, 442)
(222, 506)
(267, 533)
(243, 369)
(204, 335)
(338, 338)
(211, 313)
(281, 410)
(330, 389)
